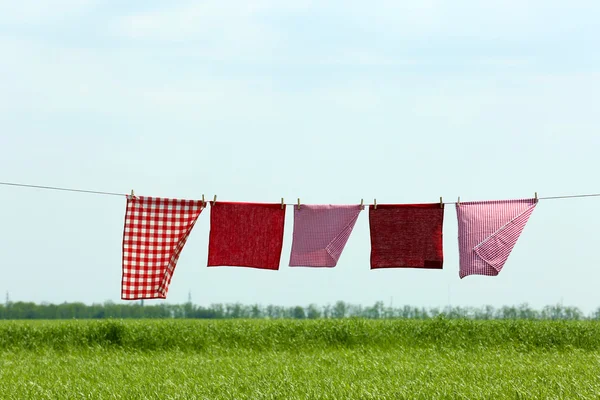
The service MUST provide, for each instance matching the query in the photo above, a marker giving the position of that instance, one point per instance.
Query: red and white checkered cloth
(321, 233)
(156, 230)
(487, 233)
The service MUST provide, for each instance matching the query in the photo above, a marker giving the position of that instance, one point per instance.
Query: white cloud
(357, 32)
(405, 18)
(490, 19)
(42, 80)
(214, 29)
(211, 23)
(37, 79)
(30, 12)
(133, 81)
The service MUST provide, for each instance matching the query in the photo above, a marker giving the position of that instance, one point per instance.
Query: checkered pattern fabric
(487, 233)
(156, 230)
(321, 233)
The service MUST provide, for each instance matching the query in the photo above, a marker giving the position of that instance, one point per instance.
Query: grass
(322, 359)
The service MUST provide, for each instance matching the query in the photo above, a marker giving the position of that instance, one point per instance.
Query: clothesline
(401, 235)
(573, 196)
(63, 189)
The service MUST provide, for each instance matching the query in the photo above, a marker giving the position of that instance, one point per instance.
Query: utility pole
(7, 305)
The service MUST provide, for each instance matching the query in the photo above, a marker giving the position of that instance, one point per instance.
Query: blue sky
(327, 101)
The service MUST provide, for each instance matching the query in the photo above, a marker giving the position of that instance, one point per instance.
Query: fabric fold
(155, 232)
(246, 235)
(321, 233)
(488, 232)
(406, 236)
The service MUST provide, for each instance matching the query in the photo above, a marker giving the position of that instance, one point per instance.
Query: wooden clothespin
(132, 194)
(203, 202)
(375, 204)
(536, 198)
(298, 203)
(362, 204)
(458, 203)
(282, 205)
(441, 203)
(214, 200)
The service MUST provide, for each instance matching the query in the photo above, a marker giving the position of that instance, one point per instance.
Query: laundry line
(156, 230)
(103, 193)
(62, 189)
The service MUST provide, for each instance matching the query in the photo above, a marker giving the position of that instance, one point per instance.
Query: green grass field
(281, 359)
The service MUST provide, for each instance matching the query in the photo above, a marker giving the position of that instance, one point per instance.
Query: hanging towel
(246, 235)
(155, 232)
(487, 233)
(320, 234)
(406, 236)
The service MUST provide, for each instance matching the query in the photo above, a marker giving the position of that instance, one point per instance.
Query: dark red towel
(246, 235)
(406, 236)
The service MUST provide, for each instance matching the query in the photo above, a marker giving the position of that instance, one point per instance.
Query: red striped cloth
(406, 236)
(155, 232)
(487, 233)
(321, 233)
(246, 235)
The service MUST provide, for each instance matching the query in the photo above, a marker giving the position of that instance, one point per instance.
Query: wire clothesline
(61, 189)
(64, 189)
(572, 196)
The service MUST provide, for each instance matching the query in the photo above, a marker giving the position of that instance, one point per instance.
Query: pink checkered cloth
(320, 234)
(487, 233)
(155, 232)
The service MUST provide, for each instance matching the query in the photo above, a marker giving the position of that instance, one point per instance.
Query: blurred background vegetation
(29, 310)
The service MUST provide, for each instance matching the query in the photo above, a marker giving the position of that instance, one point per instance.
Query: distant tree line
(28, 310)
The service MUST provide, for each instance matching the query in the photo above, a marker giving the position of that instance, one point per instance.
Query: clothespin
(298, 203)
(441, 203)
(282, 205)
(362, 204)
(458, 203)
(375, 204)
(132, 194)
(203, 202)
(536, 198)
(214, 200)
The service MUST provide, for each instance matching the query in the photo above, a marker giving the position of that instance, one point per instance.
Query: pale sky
(254, 100)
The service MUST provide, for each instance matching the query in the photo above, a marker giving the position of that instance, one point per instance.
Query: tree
(312, 312)
(298, 313)
(339, 310)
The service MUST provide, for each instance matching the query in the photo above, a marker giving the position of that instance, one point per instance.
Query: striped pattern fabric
(487, 233)
(156, 230)
(321, 233)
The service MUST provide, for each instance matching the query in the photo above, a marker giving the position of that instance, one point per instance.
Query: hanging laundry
(406, 236)
(246, 235)
(321, 233)
(487, 233)
(156, 230)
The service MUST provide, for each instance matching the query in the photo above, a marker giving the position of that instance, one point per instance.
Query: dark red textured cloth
(246, 235)
(406, 236)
